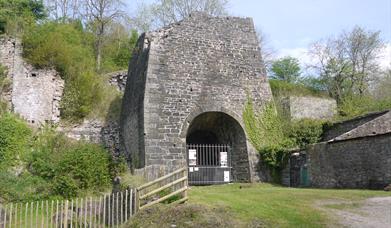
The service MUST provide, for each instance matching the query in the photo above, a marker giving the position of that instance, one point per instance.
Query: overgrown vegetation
(38, 165)
(68, 48)
(4, 87)
(273, 135)
(15, 15)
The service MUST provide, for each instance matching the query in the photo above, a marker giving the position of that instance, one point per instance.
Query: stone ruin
(188, 84)
(35, 94)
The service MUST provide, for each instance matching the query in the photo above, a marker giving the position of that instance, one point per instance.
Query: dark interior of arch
(220, 128)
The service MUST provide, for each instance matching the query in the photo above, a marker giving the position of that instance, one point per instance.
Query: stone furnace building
(186, 89)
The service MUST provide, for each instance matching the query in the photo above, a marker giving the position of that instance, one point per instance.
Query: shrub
(305, 131)
(59, 159)
(15, 137)
(355, 105)
(69, 49)
(87, 164)
(282, 89)
(65, 186)
(25, 187)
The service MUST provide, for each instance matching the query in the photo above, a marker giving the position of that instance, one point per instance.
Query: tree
(348, 62)
(101, 13)
(64, 9)
(381, 87)
(164, 12)
(16, 14)
(286, 69)
(267, 52)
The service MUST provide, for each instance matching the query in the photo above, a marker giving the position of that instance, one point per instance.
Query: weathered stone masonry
(201, 65)
(35, 93)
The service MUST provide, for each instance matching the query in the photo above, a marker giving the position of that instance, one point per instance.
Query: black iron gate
(209, 164)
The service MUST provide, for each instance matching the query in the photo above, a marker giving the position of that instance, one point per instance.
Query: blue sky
(296, 23)
(291, 25)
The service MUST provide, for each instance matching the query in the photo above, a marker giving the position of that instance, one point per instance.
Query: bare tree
(164, 12)
(63, 9)
(268, 54)
(347, 62)
(101, 13)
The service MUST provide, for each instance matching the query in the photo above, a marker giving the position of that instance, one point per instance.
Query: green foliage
(87, 164)
(4, 87)
(15, 137)
(305, 131)
(25, 187)
(355, 105)
(286, 69)
(118, 50)
(263, 127)
(17, 14)
(65, 186)
(69, 49)
(273, 136)
(282, 89)
(73, 167)
(47, 164)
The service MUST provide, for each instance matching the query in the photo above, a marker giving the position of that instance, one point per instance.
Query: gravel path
(373, 212)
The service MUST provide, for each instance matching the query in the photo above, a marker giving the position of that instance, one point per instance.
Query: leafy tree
(100, 14)
(17, 14)
(348, 63)
(286, 69)
(118, 48)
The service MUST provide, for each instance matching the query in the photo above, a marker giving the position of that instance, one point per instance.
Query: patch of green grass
(276, 206)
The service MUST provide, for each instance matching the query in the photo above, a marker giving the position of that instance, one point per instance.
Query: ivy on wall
(273, 135)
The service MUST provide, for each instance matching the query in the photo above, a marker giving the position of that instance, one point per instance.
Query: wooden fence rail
(171, 185)
(109, 210)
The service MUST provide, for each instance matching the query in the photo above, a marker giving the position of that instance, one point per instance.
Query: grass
(276, 206)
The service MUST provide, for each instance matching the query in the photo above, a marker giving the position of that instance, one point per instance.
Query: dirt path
(373, 212)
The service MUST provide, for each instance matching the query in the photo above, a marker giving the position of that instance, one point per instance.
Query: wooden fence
(171, 187)
(109, 210)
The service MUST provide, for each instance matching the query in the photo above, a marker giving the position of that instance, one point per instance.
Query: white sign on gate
(226, 176)
(192, 157)
(223, 159)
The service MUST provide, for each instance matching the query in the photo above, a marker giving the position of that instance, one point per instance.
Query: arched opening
(216, 147)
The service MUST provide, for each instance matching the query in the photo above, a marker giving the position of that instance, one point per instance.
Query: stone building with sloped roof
(354, 154)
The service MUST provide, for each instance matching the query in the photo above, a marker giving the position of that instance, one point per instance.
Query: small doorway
(209, 164)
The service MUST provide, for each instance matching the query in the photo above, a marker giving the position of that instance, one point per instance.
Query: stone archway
(219, 128)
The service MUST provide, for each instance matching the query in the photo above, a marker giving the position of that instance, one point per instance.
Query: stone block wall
(35, 93)
(95, 131)
(357, 163)
(201, 64)
(309, 107)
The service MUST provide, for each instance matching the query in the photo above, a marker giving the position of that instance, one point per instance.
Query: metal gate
(209, 164)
